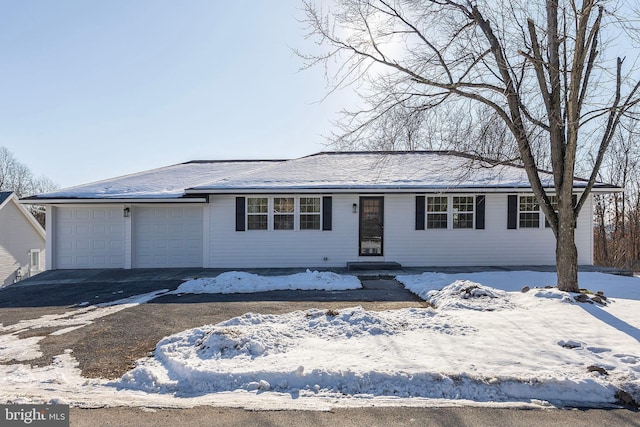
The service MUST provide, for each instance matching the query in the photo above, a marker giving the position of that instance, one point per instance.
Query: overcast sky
(96, 89)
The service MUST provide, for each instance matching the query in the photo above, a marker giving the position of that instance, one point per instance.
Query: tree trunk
(566, 251)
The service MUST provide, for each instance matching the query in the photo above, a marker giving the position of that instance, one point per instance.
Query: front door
(371, 225)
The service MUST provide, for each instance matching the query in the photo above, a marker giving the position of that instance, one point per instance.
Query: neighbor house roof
(4, 195)
(328, 171)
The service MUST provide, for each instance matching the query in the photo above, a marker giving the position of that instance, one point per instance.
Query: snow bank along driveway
(483, 342)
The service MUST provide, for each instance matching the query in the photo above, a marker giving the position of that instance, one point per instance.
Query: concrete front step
(373, 265)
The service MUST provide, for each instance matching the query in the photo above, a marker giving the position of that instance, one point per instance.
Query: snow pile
(240, 282)
(255, 348)
(486, 343)
(464, 294)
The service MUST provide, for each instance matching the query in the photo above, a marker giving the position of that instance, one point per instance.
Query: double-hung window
(283, 213)
(459, 212)
(529, 212)
(257, 213)
(463, 211)
(437, 208)
(309, 213)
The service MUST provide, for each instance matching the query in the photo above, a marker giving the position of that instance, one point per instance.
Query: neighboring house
(22, 241)
(323, 210)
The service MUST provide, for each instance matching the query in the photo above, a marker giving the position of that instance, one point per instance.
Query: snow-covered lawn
(483, 343)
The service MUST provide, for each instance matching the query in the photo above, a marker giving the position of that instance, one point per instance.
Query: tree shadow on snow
(603, 315)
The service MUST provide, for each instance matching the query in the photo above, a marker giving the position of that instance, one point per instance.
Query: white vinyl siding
(17, 238)
(494, 246)
(89, 237)
(167, 236)
(278, 248)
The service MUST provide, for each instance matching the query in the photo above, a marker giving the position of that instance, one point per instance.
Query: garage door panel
(89, 238)
(167, 236)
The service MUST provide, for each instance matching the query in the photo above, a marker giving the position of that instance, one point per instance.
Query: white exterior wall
(98, 236)
(17, 238)
(281, 248)
(494, 245)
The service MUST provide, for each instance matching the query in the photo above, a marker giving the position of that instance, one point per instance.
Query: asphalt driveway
(109, 346)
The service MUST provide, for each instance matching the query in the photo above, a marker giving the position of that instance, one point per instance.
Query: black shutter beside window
(480, 202)
(327, 209)
(420, 208)
(512, 212)
(240, 213)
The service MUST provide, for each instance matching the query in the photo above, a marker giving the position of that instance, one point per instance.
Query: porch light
(355, 208)
(127, 212)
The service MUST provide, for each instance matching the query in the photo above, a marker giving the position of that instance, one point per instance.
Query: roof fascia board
(193, 200)
(296, 190)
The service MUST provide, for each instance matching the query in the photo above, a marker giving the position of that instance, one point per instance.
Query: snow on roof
(165, 182)
(411, 171)
(379, 170)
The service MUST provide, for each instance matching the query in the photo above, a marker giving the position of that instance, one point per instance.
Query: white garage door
(167, 236)
(89, 237)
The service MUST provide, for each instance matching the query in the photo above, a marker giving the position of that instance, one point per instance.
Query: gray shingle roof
(4, 195)
(342, 171)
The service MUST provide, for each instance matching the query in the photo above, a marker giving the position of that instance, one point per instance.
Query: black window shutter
(420, 201)
(327, 209)
(480, 212)
(512, 211)
(240, 208)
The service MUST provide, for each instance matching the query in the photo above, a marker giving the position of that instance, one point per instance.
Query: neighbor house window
(309, 213)
(283, 213)
(437, 212)
(257, 213)
(463, 211)
(34, 256)
(529, 210)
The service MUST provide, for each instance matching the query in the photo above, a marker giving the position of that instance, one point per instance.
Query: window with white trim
(528, 212)
(463, 208)
(257, 213)
(309, 213)
(437, 208)
(34, 261)
(283, 213)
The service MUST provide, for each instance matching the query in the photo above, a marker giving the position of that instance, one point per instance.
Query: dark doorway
(371, 225)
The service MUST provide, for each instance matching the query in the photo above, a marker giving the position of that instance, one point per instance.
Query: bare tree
(617, 215)
(17, 177)
(541, 66)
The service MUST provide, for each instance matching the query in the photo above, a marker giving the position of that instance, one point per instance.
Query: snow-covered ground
(484, 342)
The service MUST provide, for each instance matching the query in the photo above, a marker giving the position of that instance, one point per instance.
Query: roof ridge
(233, 161)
